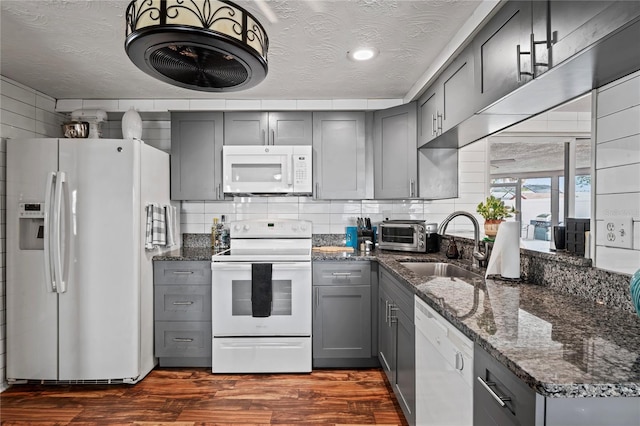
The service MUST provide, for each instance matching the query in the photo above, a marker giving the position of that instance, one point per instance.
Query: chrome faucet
(477, 254)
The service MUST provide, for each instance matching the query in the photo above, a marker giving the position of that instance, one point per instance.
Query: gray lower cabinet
(493, 381)
(500, 398)
(196, 156)
(267, 128)
(342, 315)
(395, 155)
(339, 155)
(182, 313)
(396, 341)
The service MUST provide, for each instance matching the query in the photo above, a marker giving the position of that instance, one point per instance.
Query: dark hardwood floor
(194, 396)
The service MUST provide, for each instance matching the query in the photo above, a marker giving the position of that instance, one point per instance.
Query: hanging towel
(170, 221)
(156, 230)
(261, 290)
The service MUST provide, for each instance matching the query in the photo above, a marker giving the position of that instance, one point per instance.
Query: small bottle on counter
(214, 234)
(223, 230)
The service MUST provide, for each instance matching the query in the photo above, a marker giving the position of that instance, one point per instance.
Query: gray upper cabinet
(395, 155)
(339, 155)
(576, 24)
(196, 155)
(447, 102)
(499, 69)
(268, 128)
(429, 114)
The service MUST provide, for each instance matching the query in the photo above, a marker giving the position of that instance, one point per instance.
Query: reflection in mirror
(531, 164)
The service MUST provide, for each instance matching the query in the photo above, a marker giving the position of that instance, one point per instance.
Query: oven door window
(231, 300)
(241, 298)
(402, 235)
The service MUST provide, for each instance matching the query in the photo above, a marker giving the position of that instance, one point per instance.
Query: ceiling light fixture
(206, 45)
(362, 54)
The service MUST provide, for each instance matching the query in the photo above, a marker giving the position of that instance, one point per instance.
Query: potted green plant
(494, 212)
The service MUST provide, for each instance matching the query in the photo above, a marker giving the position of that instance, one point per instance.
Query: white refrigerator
(79, 283)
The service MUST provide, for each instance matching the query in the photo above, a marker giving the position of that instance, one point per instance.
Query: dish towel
(156, 234)
(261, 289)
(170, 222)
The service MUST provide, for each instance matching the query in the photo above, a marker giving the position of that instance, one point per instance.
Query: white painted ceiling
(71, 49)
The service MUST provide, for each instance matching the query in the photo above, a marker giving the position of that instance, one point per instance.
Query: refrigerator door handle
(57, 238)
(48, 273)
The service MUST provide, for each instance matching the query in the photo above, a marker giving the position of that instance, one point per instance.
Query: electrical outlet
(619, 232)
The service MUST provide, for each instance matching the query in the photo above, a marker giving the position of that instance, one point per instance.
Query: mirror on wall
(532, 163)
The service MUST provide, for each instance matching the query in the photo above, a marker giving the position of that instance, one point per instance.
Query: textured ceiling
(75, 48)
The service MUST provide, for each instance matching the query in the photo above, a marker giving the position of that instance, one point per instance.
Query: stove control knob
(294, 228)
(236, 228)
(245, 228)
(303, 227)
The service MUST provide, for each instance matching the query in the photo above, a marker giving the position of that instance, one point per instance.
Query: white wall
(24, 113)
(617, 164)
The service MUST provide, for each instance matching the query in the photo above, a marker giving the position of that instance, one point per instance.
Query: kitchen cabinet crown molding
(167, 105)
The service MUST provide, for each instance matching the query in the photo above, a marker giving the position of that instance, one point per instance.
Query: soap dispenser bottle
(214, 234)
(452, 250)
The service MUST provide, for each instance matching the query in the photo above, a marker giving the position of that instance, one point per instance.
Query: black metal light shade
(206, 45)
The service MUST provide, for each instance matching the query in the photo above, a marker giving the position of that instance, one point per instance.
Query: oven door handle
(246, 266)
(279, 265)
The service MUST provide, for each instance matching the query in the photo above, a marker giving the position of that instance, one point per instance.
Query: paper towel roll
(505, 256)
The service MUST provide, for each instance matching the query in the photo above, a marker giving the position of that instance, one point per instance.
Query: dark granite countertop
(560, 345)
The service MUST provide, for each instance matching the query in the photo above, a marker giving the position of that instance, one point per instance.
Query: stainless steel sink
(438, 269)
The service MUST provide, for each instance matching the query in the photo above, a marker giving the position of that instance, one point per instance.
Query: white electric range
(261, 298)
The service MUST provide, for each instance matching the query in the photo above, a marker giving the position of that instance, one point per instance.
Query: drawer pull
(341, 274)
(182, 339)
(182, 272)
(188, 302)
(499, 399)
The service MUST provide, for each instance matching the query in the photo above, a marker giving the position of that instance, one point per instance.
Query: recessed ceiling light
(362, 54)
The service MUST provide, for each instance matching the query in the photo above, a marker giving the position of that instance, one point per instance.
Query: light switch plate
(619, 232)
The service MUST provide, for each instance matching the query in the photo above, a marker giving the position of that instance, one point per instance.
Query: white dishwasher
(444, 370)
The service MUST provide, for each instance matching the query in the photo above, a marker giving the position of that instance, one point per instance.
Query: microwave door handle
(290, 171)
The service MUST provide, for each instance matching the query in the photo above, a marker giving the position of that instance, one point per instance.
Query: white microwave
(267, 169)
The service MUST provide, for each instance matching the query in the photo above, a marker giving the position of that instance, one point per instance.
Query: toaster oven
(408, 235)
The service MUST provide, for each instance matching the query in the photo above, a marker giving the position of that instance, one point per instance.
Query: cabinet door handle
(182, 272)
(412, 188)
(182, 339)
(534, 63)
(519, 65)
(433, 124)
(386, 312)
(264, 137)
(273, 137)
(317, 297)
(499, 399)
(186, 302)
(317, 189)
(440, 117)
(392, 318)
